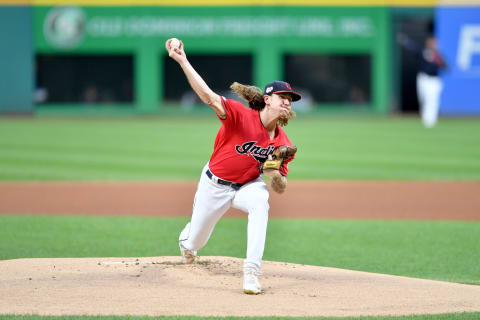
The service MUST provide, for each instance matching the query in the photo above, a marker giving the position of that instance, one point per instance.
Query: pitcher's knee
(260, 202)
(259, 209)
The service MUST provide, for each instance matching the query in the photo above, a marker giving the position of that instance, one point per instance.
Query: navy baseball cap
(281, 87)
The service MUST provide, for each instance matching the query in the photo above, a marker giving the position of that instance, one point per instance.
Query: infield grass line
(437, 250)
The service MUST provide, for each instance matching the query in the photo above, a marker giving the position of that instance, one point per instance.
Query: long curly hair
(251, 94)
(254, 97)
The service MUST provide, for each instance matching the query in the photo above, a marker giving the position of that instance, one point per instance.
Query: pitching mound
(212, 287)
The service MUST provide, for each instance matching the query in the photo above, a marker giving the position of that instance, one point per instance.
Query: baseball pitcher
(249, 142)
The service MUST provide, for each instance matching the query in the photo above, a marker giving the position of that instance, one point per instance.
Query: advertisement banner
(458, 34)
(71, 28)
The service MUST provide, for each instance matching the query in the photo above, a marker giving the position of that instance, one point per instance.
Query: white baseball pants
(429, 89)
(211, 202)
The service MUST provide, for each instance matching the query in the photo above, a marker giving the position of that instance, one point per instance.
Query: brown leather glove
(278, 156)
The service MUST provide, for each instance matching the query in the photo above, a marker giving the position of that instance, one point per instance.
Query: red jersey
(243, 143)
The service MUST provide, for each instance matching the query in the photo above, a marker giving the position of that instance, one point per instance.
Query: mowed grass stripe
(97, 160)
(398, 147)
(138, 151)
(329, 148)
(136, 161)
(58, 171)
(349, 171)
(53, 174)
(452, 162)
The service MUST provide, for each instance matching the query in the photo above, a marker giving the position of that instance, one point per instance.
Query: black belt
(234, 185)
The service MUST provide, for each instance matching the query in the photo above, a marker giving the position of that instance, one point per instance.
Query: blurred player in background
(429, 83)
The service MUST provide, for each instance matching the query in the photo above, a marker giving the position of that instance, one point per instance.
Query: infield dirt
(212, 287)
(303, 199)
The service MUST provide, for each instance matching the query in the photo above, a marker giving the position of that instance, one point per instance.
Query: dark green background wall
(16, 59)
(142, 31)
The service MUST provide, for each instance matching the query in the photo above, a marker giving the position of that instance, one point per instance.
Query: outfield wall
(267, 33)
(16, 60)
(260, 29)
(459, 38)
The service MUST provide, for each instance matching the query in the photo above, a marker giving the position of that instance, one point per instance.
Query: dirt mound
(212, 287)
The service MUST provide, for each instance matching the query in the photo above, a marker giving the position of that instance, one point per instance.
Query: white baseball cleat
(250, 280)
(188, 255)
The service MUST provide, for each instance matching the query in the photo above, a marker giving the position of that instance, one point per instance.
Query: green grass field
(330, 148)
(333, 148)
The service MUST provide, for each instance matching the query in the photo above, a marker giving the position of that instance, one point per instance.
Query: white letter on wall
(468, 46)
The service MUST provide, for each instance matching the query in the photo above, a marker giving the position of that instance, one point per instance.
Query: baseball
(175, 43)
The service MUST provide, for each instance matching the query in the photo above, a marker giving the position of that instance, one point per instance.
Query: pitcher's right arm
(196, 82)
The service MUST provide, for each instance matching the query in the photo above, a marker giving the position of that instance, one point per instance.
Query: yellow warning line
(224, 3)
